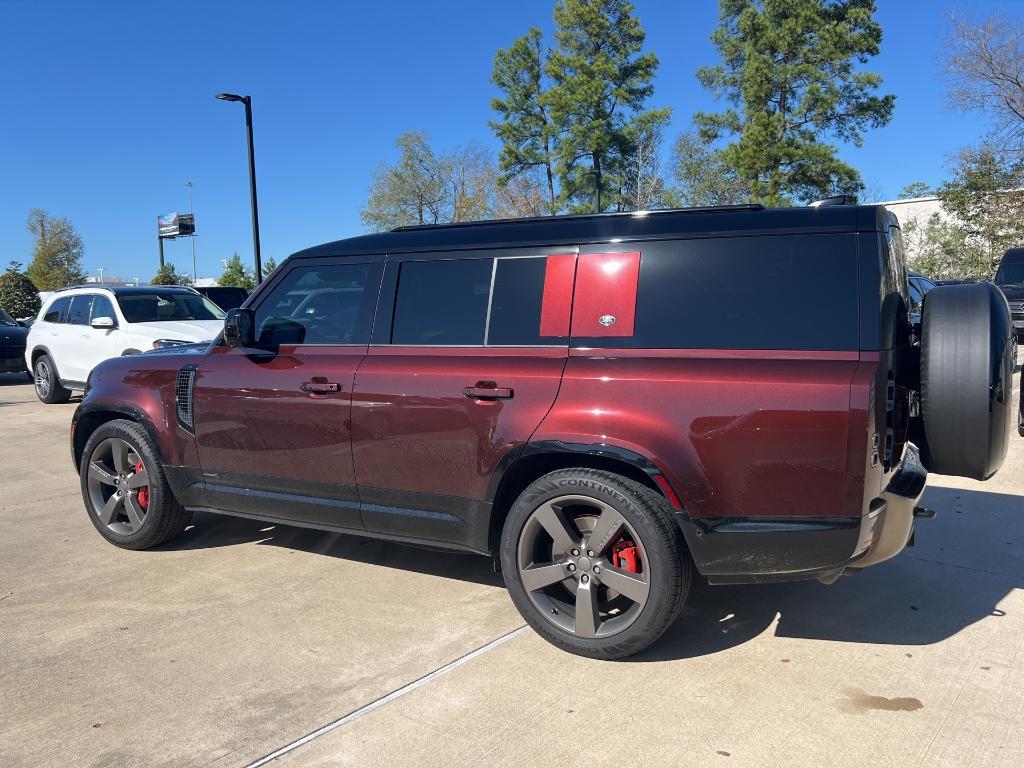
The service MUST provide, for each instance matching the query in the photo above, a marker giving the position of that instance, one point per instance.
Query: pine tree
(236, 274)
(601, 82)
(790, 71)
(528, 137)
(168, 275)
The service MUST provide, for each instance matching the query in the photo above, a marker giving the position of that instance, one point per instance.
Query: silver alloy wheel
(114, 485)
(565, 567)
(42, 379)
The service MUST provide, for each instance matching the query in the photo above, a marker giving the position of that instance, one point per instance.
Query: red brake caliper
(143, 495)
(626, 555)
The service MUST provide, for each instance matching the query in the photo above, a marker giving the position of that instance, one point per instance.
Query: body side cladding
(443, 522)
(408, 540)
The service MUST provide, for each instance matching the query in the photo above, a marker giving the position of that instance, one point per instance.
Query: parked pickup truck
(611, 405)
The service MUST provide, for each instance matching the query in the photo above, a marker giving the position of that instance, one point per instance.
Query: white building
(914, 209)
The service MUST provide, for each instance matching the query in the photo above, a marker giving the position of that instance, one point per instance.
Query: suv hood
(1013, 292)
(182, 330)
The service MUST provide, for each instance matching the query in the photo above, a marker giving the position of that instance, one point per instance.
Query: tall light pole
(195, 273)
(247, 101)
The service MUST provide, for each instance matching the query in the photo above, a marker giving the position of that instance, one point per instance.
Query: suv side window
(57, 310)
(530, 301)
(78, 314)
(101, 307)
(442, 302)
(319, 304)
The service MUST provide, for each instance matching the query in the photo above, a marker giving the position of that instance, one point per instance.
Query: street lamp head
(230, 97)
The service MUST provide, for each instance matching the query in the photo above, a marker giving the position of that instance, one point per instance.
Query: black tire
(130, 523)
(47, 382)
(966, 375)
(622, 625)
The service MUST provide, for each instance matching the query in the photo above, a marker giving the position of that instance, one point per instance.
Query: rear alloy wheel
(47, 383)
(595, 562)
(124, 488)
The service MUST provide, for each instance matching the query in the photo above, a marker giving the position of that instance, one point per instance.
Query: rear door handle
(320, 386)
(488, 390)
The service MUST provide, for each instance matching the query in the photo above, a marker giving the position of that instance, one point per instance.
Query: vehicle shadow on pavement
(211, 530)
(966, 560)
(964, 564)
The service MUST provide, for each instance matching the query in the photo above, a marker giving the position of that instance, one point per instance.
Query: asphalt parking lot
(241, 638)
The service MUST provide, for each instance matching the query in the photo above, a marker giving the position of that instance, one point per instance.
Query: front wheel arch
(88, 420)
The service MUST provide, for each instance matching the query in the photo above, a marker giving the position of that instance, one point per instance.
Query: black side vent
(183, 395)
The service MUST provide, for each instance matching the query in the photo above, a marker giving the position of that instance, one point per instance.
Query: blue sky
(108, 109)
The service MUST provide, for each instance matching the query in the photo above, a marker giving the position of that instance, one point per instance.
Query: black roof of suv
(639, 225)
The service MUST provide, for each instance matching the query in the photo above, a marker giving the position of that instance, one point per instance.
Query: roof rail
(114, 287)
(82, 285)
(834, 200)
(584, 216)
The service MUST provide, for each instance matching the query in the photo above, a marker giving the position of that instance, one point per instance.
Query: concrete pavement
(240, 638)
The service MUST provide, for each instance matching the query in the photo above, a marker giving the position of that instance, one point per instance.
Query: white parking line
(395, 694)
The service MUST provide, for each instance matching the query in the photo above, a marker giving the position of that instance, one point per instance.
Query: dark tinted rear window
(782, 292)
(517, 302)
(442, 302)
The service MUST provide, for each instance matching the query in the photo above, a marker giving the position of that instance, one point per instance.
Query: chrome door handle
(320, 386)
(488, 390)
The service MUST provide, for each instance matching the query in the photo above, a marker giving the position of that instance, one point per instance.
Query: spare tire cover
(966, 375)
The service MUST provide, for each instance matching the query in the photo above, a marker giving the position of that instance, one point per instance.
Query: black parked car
(225, 297)
(1010, 280)
(12, 345)
(918, 286)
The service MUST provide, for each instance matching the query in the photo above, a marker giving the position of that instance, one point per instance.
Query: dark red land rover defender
(613, 404)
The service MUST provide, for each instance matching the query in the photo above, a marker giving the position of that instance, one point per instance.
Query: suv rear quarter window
(530, 302)
(794, 292)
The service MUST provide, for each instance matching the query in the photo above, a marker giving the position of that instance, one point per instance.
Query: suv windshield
(5, 319)
(160, 306)
(1010, 274)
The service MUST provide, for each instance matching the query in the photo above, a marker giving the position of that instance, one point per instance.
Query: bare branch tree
(985, 72)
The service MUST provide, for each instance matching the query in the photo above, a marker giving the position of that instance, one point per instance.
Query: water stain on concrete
(859, 701)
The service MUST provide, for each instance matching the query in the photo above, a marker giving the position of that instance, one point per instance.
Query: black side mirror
(239, 328)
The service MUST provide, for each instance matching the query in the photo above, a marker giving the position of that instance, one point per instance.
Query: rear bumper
(745, 550)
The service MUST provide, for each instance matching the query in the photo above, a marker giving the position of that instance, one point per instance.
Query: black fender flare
(118, 409)
(515, 468)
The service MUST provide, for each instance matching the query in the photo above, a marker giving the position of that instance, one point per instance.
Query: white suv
(78, 328)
